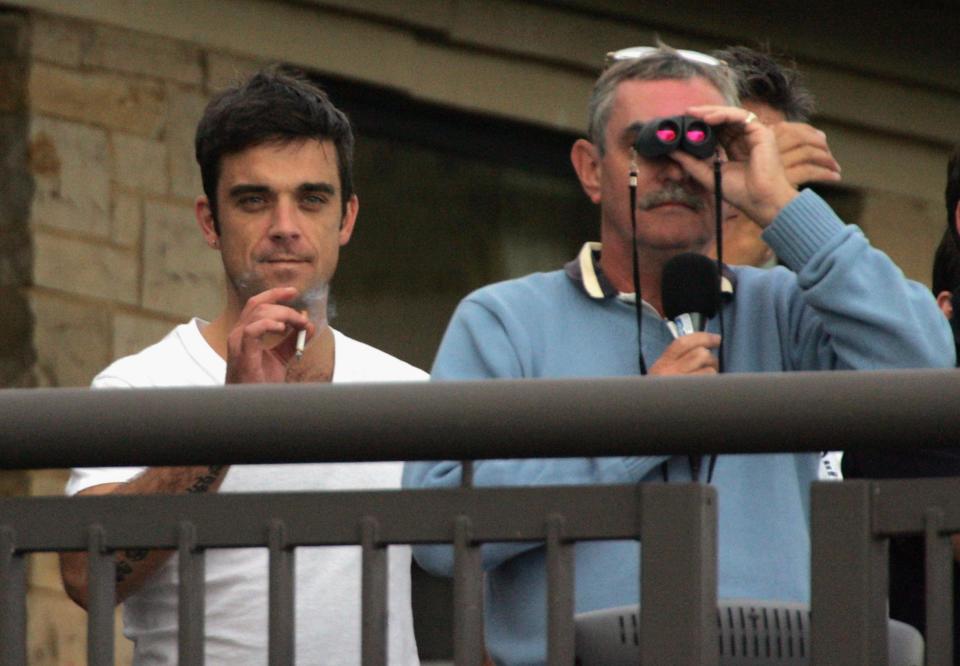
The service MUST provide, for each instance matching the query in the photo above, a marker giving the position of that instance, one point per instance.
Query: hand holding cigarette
(267, 336)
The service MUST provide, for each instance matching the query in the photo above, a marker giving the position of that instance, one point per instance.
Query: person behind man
(776, 94)
(907, 581)
(831, 310)
(275, 157)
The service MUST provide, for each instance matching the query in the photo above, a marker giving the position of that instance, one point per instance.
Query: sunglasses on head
(640, 52)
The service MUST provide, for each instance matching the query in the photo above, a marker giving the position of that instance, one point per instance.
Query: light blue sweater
(846, 306)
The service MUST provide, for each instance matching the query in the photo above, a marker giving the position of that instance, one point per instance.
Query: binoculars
(665, 135)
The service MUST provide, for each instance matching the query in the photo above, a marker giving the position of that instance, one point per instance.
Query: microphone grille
(690, 284)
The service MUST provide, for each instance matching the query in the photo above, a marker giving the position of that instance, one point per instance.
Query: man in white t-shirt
(275, 157)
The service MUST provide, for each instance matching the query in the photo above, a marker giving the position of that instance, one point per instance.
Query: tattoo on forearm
(123, 570)
(203, 483)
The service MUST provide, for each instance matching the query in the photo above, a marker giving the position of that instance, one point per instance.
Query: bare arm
(136, 566)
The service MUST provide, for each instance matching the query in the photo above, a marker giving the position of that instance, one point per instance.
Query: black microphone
(690, 287)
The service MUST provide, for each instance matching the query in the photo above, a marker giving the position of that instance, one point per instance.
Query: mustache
(281, 256)
(671, 193)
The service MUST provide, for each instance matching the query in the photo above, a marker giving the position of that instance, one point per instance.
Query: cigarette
(301, 341)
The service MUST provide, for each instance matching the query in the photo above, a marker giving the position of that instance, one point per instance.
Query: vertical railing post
(560, 599)
(281, 643)
(192, 589)
(848, 618)
(373, 605)
(101, 598)
(678, 574)
(939, 589)
(13, 601)
(468, 643)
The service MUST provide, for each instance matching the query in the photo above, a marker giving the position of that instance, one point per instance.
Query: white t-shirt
(327, 579)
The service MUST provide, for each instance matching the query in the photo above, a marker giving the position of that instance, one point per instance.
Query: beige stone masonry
(225, 69)
(71, 170)
(126, 220)
(133, 332)
(58, 41)
(111, 101)
(72, 338)
(138, 53)
(79, 267)
(181, 275)
(56, 632)
(186, 108)
(140, 164)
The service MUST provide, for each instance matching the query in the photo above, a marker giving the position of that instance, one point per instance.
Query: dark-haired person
(275, 156)
(829, 311)
(907, 582)
(775, 92)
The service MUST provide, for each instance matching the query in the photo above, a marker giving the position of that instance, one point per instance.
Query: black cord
(636, 271)
(718, 206)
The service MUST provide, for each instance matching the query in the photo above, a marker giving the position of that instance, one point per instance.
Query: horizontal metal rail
(745, 413)
(321, 518)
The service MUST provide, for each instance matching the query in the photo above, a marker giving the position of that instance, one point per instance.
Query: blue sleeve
(855, 309)
(478, 346)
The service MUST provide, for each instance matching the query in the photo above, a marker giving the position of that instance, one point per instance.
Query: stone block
(48, 482)
(133, 332)
(186, 108)
(57, 631)
(145, 55)
(88, 269)
(12, 36)
(17, 355)
(12, 86)
(140, 164)
(71, 170)
(225, 70)
(58, 41)
(16, 259)
(14, 483)
(117, 102)
(72, 339)
(181, 275)
(126, 219)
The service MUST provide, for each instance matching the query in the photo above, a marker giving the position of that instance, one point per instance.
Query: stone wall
(99, 252)
(112, 119)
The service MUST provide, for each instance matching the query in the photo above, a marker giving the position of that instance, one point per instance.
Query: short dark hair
(952, 193)
(764, 80)
(273, 105)
(946, 264)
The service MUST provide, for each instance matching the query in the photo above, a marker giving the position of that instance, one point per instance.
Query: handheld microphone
(690, 287)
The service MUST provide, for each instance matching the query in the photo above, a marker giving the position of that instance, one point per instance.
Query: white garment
(829, 469)
(327, 579)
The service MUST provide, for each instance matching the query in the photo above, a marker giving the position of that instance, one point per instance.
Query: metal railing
(496, 419)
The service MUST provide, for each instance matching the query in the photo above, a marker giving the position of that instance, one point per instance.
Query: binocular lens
(667, 134)
(696, 136)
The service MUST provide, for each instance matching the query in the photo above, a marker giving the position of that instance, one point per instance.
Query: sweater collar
(586, 272)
